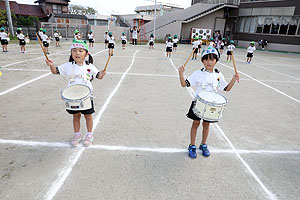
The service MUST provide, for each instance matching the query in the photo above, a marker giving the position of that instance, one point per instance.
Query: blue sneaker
(204, 149)
(192, 151)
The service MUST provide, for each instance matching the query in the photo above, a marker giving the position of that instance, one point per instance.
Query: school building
(276, 21)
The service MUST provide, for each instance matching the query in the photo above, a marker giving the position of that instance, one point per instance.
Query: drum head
(76, 92)
(212, 97)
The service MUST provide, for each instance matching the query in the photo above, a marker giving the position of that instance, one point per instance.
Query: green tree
(81, 10)
(3, 17)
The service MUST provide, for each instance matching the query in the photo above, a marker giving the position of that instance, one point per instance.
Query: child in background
(196, 44)
(230, 49)
(105, 40)
(212, 44)
(77, 35)
(79, 71)
(207, 79)
(21, 39)
(250, 51)
(124, 40)
(175, 42)
(151, 41)
(169, 47)
(45, 40)
(91, 39)
(4, 39)
(56, 36)
(222, 45)
(111, 44)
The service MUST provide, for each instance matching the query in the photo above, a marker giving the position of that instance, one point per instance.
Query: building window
(247, 24)
(260, 24)
(284, 25)
(267, 25)
(242, 24)
(275, 25)
(253, 25)
(293, 26)
(56, 8)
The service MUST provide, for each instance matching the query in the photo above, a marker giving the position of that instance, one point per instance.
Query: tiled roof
(24, 9)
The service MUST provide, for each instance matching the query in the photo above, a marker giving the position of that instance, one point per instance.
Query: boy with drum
(208, 79)
(80, 72)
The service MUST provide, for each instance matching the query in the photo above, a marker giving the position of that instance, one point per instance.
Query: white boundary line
(56, 185)
(268, 86)
(268, 192)
(23, 84)
(143, 149)
(271, 70)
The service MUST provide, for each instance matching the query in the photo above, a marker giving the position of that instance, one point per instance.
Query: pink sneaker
(76, 140)
(88, 140)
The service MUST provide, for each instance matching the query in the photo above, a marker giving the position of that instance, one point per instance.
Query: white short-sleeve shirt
(169, 44)
(91, 36)
(44, 38)
(20, 36)
(3, 35)
(134, 34)
(56, 34)
(81, 74)
(196, 43)
(251, 49)
(175, 40)
(111, 39)
(123, 37)
(204, 80)
(230, 47)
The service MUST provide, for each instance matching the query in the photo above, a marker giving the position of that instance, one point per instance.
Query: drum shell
(83, 103)
(208, 111)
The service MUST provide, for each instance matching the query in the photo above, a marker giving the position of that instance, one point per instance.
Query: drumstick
(234, 65)
(189, 58)
(107, 62)
(42, 46)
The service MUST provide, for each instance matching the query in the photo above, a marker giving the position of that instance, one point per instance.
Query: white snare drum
(27, 40)
(209, 106)
(60, 37)
(77, 97)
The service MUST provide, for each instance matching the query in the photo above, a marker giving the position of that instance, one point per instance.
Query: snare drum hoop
(76, 100)
(212, 103)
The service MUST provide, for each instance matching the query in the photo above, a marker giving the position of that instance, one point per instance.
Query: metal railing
(230, 2)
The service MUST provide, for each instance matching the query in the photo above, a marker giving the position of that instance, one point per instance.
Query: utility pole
(10, 24)
(154, 21)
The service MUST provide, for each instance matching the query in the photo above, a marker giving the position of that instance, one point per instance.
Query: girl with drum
(80, 72)
(207, 80)
(124, 40)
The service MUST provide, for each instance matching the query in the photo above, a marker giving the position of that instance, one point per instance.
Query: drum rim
(76, 100)
(210, 103)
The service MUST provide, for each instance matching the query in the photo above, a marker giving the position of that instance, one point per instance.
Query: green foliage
(3, 17)
(81, 10)
(27, 21)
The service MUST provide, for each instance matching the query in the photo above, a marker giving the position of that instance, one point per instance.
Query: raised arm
(181, 77)
(235, 77)
(53, 69)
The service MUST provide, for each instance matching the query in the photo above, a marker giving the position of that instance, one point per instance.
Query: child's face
(79, 54)
(209, 63)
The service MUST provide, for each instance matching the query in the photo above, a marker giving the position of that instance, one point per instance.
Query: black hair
(89, 61)
(169, 39)
(18, 31)
(210, 56)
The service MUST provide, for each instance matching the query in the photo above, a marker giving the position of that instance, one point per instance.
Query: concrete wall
(99, 32)
(206, 22)
(271, 46)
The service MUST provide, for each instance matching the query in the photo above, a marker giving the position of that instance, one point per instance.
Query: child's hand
(236, 77)
(101, 74)
(49, 62)
(181, 70)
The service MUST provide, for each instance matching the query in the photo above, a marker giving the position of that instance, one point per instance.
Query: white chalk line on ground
(154, 75)
(142, 149)
(271, 70)
(265, 189)
(266, 85)
(23, 84)
(30, 81)
(56, 185)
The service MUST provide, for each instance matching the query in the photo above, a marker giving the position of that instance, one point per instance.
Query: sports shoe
(76, 140)
(192, 151)
(88, 140)
(204, 149)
